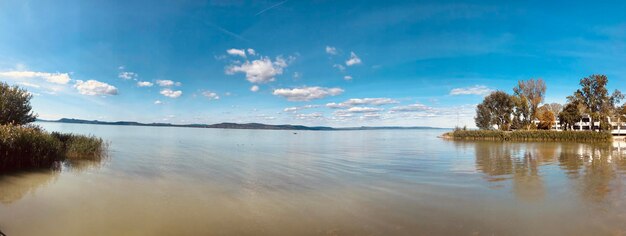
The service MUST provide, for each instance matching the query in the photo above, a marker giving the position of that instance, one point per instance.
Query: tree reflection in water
(595, 170)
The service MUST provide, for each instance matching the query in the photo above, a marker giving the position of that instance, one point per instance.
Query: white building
(586, 124)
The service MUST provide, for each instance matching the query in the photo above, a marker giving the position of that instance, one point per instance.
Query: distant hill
(230, 125)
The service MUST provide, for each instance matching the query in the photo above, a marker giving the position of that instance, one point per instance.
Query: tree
(569, 116)
(546, 117)
(521, 113)
(532, 93)
(496, 109)
(555, 108)
(15, 105)
(595, 99)
(483, 117)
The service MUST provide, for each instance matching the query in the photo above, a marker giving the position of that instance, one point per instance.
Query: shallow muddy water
(189, 181)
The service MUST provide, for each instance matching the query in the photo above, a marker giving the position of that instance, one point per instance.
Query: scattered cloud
(237, 52)
(354, 60)
(331, 50)
(211, 95)
(171, 93)
(144, 84)
(295, 109)
(340, 67)
(363, 109)
(56, 78)
(126, 75)
(347, 77)
(29, 84)
(315, 115)
(307, 93)
(262, 70)
(167, 83)
(94, 87)
(254, 88)
(473, 90)
(362, 101)
(251, 51)
(158, 102)
(417, 107)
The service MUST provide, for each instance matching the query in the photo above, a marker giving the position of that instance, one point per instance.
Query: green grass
(531, 135)
(27, 147)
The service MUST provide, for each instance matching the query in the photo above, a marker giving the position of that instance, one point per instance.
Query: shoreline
(532, 136)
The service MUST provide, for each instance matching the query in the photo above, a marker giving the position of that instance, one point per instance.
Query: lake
(192, 181)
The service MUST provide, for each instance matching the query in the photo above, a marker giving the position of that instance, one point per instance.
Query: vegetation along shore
(591, 114)
(26, 146)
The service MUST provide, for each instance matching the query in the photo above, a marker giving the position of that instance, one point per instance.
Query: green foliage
(483, 117)
(595, 99)
(569, 116)
(24, 147)
(521, 113)
(496, 109)
(532, 135)
(15, 105)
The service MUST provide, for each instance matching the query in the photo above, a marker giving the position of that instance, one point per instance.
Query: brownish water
(182, 181)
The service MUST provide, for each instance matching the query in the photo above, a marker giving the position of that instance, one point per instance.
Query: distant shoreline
(257, 126)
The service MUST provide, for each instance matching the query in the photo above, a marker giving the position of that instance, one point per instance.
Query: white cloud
(56, 78)
(331, 50)
(254, 88)
(158, 102)
(259, 71)
(171, 93)
(473, 90)
(411, 108)
(307, 93)
(144, 84)
(360, 110)
(236, 52)
(315, 115)
(127, 75)
(354, 59)
(93, 87)
(167, 83)
(347, 77)
(251, 51)
(363, 109)
(211, 95)
(295, 109)
(362, 101)
(340, 67)
(29, 84)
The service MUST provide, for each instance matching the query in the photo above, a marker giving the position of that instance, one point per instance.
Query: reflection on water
(16, 185)
(178, 181)
(592, 168)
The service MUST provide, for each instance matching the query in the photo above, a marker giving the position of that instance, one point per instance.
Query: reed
(530, 135)
(27, 147)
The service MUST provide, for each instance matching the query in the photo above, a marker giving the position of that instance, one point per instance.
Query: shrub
(15, 105)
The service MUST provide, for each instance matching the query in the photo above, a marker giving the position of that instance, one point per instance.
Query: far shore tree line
(518, 111)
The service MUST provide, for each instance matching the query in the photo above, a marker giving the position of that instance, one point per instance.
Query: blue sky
(335, 63)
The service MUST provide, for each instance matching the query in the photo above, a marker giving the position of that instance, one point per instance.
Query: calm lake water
(187, 181)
